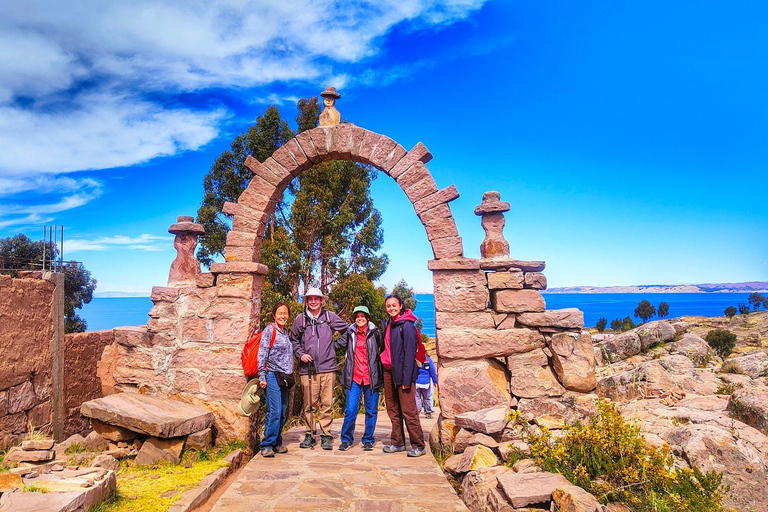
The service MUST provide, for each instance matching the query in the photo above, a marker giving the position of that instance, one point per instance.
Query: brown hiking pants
(401, 408)
(321, 400)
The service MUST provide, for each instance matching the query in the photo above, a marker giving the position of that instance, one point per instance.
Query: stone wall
(82, 352)
(25, 356)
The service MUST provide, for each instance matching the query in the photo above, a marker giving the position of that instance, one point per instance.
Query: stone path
(355, 480)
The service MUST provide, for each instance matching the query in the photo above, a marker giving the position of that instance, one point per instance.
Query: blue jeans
(371, 400)
(277, 407)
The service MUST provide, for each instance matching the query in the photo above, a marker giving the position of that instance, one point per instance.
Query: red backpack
(421, 351)
(250, 354)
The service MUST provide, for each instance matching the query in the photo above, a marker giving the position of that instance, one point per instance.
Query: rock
(750, 405)
(471, 386)
(42, 444)
(713, 448)
(574, 360)
(153, 416)
(458, 343)
(550, 421)
(485, 440)
(113, 432)
(680, 327)
(95, 443)
(535, 280)
(619, 347)
(451, 464)
(16, 454)
(460, 291)
(507, 449)
(476, 457)
(62, 446)
(693, 347)
(462, 440)
(570, 318)
(653, 333)
(477, 485)
(517, 301)
(487, 421)
(526, 466)
(106, 462)
(155, 449)
(9, 482)
(617, 507)
(755, 365)
(674, 373)
(572, 407)
(506, 279)
(531, 376)
(523, 489)
(475, 320)
(571, 498)
(21, 398)
(202, 440)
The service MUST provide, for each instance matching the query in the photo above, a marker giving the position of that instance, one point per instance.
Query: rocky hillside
(750, 286)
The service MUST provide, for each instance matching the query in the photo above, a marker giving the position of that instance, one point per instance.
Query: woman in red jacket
(400, 373)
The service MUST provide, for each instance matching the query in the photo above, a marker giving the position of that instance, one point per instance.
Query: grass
(34, 488)
(74, 448)
(155, 488)
(36, 435)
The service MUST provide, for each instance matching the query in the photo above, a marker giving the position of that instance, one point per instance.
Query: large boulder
(755, 365)
(523, 489)
(531, 376)
(478, 488)
(674, 373)
(570, 408)
(571, 498)
(487, 421)
(653, 333)
(620, 347)
(750, 405)
(472, 385)
(574, 360)
(692, 346)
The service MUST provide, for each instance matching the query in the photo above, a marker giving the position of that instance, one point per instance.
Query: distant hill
(112, 295)
(748, 287)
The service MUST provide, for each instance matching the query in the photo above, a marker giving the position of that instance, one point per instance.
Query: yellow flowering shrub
(610, 459)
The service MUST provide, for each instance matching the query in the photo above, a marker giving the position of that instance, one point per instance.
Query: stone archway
(339, 142)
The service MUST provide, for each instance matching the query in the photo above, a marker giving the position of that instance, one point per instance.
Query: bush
(616, 324)
(730, 312)
(612, 460)
(600, 325)
(722, 341)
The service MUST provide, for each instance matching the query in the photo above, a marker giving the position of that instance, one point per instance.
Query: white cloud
(144, 242)
(81, 81)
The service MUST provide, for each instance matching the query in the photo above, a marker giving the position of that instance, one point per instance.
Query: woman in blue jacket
(400, 373)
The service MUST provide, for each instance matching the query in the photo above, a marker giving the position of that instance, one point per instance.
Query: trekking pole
(311, 408)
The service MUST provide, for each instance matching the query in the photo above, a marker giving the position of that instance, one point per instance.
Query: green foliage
(743, 309)
(34, 488)
(627, 324)
(730, 312)
(74, 448)
(323, 232)
(644, 310)
(611, 459)
(616, 325)
(405, 292)
(728, 389)
(21, 253)
(357, 290)
(722, 341)
(663, 310)
(756, 300)
(600, 325)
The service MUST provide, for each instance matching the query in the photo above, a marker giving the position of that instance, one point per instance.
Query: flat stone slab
(65, 491)
(486, 421)
(153, 416)
(523, 489)
(354, 480)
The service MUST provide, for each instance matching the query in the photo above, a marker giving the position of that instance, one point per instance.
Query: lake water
(107, 313)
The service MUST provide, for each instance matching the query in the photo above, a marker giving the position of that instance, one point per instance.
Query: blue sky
(631, 138)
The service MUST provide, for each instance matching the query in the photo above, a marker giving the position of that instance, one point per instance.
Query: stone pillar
(492, 212)
(185, 267)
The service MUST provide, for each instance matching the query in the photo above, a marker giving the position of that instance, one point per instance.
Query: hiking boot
(416, 452)
(326, 442)
(267, 452)
(344, 446)
(308, 442)
(280, 449)
(368, 446)
(428, 415)
(393, 448)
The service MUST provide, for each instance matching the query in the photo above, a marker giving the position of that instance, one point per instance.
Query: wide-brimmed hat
(314, 292)
(330, 91)
(361, 309)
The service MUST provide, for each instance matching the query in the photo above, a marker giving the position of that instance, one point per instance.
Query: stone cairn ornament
(492, 209)
(330, 116)
(185, 267)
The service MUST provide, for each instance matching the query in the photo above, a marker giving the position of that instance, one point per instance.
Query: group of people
(376, 357)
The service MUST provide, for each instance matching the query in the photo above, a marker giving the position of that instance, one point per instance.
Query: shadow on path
(355, 480)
